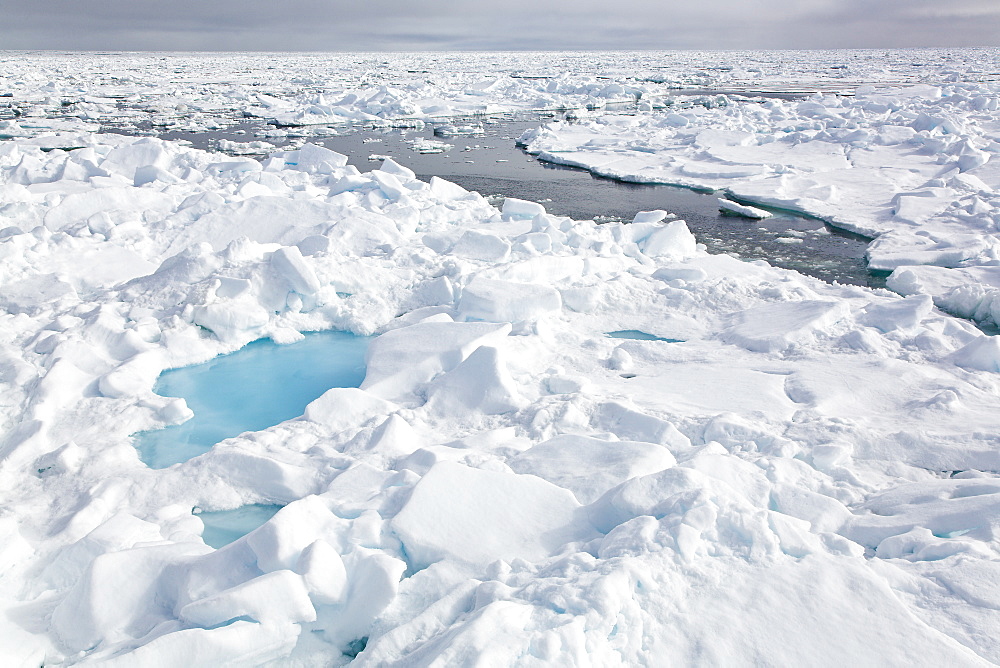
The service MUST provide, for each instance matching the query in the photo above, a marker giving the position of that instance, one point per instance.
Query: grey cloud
(327, 25)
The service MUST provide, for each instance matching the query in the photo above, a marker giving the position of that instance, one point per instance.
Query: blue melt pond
(637, 335)
(251, 389)
(224, 526)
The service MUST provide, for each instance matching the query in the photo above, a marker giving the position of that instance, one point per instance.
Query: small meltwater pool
(251, 389)
(637, 335)
(222, 527)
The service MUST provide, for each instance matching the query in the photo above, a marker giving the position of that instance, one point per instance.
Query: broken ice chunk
(730, 207)
(478, 516)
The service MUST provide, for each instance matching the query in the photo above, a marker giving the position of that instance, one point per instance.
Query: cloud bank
(398, 25)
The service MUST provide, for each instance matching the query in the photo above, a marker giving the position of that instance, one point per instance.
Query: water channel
(491, 163)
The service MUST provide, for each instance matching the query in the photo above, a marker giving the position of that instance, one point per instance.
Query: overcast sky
(397, 25)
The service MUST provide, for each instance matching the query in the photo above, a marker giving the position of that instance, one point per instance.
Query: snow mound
(477, 516)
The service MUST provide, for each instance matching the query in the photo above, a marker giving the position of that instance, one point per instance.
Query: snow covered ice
(735, 208)
(574, 444)
(910, 166)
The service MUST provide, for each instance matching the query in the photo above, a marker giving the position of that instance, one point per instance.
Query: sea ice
(480, 516)
(738, 209)
(509, 483)
(911, 173)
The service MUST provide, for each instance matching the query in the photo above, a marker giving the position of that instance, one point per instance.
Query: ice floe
(909, 166)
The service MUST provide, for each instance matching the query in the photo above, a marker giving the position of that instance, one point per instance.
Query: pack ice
(910, 166)
(767, 469)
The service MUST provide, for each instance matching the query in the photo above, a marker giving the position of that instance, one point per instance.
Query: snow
(476, 516)
(777, 327)
(575, 443)
(909, 166)
(735, 208)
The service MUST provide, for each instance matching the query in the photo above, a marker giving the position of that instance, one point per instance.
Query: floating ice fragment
(232, 320)
(738, 209)
(390, 166)
(453, 130)
(447, 190)
(150, 173)
(650, 216)
(672, 241)
(621, 360)
(390, 186)
(514, 209)
(429, 146)
(313, 159)
(822, 512)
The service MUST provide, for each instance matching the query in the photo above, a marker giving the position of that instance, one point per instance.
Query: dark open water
(492, 164)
